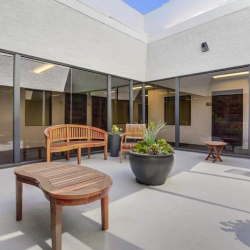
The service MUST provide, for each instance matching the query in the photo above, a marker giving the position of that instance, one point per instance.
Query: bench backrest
(135, 131)
(67, 132)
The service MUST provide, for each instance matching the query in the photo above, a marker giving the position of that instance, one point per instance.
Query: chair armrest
(47, 138)
(122, 136)
(46, 132)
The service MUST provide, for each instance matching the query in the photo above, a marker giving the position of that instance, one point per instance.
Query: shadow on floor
(34, 230)
(197, 199)
(240, 228)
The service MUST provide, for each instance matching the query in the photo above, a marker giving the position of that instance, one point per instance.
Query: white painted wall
(177, 11)
(120, 11)
(51, 30)
(62, 31)
(172, 19)
(228, 39)
(113, 13)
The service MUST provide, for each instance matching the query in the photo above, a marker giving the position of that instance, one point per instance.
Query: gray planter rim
(151, 156)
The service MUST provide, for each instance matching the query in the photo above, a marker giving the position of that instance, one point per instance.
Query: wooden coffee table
(212, 147)
(63, 184)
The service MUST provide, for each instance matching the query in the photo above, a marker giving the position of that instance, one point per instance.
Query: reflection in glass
(6, 109)
(37, 108)
(89, 99)
(137, 105)
(185, 110)
(120, 102)
(160, 106)
(219, 110)
(43, 103)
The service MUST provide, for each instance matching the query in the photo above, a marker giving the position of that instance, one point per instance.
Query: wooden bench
(63, 184)
(63, 138)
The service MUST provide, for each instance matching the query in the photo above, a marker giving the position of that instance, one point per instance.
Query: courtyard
(202, 206)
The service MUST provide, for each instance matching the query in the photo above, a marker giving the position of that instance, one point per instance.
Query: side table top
(215, 143)
(64, 180)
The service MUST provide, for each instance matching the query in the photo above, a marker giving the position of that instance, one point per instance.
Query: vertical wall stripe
(71, 93)
(16, 108)
(109, 122)
(249, 113)
(131, 102)
(177, 112)
(43, 111)
(143, 104)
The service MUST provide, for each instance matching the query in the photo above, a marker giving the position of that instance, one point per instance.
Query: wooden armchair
(133, 132)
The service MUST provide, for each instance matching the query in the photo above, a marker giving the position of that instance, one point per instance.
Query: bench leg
(56, 225)
(79, 155)
(105, 204)
(88, 153)
(67, 155)
(19, 200)
(105, 152)
(48, 156)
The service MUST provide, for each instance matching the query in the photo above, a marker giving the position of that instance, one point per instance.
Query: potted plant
(151, 161)
(114, 141)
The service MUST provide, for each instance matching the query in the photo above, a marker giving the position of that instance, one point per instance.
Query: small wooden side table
(63, 184)
(212, 147)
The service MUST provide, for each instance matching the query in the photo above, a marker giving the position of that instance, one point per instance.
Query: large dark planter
(114, 142)
(151, 169)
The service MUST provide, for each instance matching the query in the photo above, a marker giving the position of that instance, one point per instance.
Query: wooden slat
(79, 185)
(62, 180)
(83, 176)
(77, 181)
(59, 176)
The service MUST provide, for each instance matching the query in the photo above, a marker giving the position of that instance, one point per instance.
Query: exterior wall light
(204, 47)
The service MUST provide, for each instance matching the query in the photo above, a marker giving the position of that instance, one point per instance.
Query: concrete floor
(200, 207)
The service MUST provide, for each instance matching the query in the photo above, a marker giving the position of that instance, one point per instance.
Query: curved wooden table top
(215, 143)
(65, 181)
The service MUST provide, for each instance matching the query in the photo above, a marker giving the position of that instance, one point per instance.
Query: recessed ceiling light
(232, 74)
(43, 67)
(148, 86)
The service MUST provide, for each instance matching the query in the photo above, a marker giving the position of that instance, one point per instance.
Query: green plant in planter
(149, 145)
(115, 130)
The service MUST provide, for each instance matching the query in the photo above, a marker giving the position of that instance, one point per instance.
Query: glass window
(219, 110)
(137, 95)
(158, 110)
(37, 108)
(44, 88)
(185, 110)
(89, 98)
(120, 102)
(6, 109)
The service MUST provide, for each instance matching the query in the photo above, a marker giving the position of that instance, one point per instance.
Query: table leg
(56, 224)
(210, 152)
(105, 203)
(19, 200)
(218, 154)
